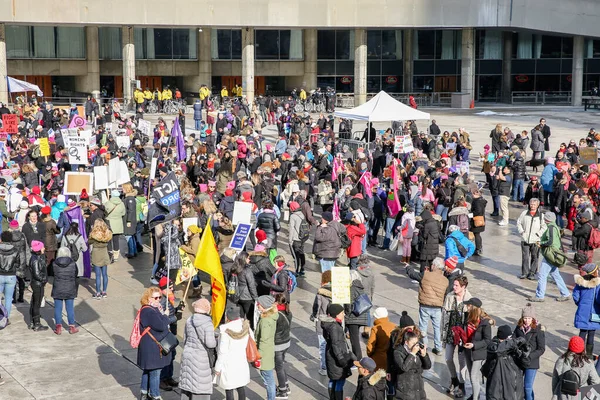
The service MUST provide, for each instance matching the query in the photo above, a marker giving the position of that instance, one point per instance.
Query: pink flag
(395, 181)
(336, 210)
(335, 167)
(365, 179)
(77, 122)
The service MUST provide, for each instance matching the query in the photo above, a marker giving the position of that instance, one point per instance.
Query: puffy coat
(247, 285)
(430, 235)
(115, 211)
(226, 206)
(536, 338)
(99, 246)
(519, 168)
(81, 246)
(581, 234)
(408, 376)
(452, 247)
(478, 209)
(371, 387)
(65, 279)
(531, 228)
(504, 379)
(432, 286)
(265, 338)
(356, 290)
(231, 359)
(10, 261)
(320, 304)
(587, 376)
(149, 355)
(327, 242)
(268, 222)
(195, 374)
(481, 339)
(379, 341)
(263, 269)
(130, 219)
(547, 178)
(197, 111)
(587, 300)
(537, 141)
(338, 357)
(20, 243)
(356, 234)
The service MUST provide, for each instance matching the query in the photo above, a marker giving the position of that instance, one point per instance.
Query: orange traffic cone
(472, 104)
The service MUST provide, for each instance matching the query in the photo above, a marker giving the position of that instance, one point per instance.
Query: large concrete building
(490, 49)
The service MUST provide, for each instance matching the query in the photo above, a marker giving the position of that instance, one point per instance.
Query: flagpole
(187, 288)
(168, 268)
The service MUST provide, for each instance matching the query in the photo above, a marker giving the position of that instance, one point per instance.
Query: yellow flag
(208, 260)
(187, 270)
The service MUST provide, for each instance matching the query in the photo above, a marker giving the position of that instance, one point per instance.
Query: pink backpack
(135, 337)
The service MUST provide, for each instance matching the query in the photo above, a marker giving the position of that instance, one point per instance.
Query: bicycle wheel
(298, 108)
(152, 108)
(320, 108)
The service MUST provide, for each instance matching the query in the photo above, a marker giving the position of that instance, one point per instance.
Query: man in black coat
(434, 130)
(546, 134)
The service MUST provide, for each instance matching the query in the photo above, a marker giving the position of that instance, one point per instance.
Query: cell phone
(421, 346)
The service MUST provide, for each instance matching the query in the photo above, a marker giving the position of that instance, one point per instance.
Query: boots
(196, 293)
(589, 350)
(58, 329)
(331, 394)
(339, 395)
(37, 327)
(453, 385)
(73, 329)
(459, 393)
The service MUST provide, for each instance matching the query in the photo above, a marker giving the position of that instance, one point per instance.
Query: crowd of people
(425, 208)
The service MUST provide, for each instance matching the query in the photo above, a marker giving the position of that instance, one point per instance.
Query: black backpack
(345, 240)
(303, 231)
(366, 212)
(73, 248)
(569, 383)
(233, 291)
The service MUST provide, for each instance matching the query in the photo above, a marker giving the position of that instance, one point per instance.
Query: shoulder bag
(252, 354)
(556, 257)
(167, 344)
(478, 221)
(361, 304)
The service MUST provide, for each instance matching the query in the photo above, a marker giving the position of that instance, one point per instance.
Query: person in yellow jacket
(157, 98)
(302, 94)
(239, 91)
(167, 94)
(204, 94)
(138, 96)
(147, 98)
(224, 93)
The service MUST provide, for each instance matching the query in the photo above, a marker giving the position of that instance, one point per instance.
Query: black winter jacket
(519, 168)
(268, 222)
(478, 209)
(371, 387)
(582, 235)
(263, 269)
(283, 328)
(247, 285)
(356, 290)
(481, 339)
(37, 266)
(10, 261)
(536, 338)
(65, 279)
(408, 374)
(430, 235)
(20, 243)
(504, 378)
(338, 357)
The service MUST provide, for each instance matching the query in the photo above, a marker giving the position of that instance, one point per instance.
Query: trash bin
(460, 100)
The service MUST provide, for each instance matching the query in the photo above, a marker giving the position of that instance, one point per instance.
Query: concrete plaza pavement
(99, 363)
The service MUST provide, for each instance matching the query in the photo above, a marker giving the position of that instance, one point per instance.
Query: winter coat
(587, 300)
(195, 374)
(453, 314)
(65, 279)
(379, 341)
(81, 245)
(50, 244)
(37, 267)
(408, 374)
(247, 285)
(452, 246)
(432, 286)
(371, 387)
(263, 269)
(504, 379)
(547, 178)
(356, 234)
(10, 261)
(367, 279)
(231, 358)
(327, 242)
(338, 357)
(226, 206)
(296, 219)
(320, 304)
(430, 235)
(519, 168)
(481, 339)
(131, 215)
(149, 355)
(587, 376)
(268, 222)
(37, 232)
(537, 141)
(536, 338)
(20, 243)
(478, 209)
(531, 228)
(497, 144)
(115, 211)
(192, 247)
(282, 330)
(265, 338)
(581, 235)
(356, 289)
(197, 111)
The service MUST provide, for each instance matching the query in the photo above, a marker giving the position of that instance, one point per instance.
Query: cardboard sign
(145, 127)
(75, 182)
(123, 141)
(77, 149)
(588, 155)
(238, 241)
(403, 144)
(340, 285)
(123, 174)
(10, 123)
(86, 134)
(113, 170)
(44, 147)
(153, 165)
(242, 212)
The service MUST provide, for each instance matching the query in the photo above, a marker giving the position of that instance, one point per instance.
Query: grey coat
(296, 219)
(537, 140)
(81, 245)
(587, 376)
(196, 375)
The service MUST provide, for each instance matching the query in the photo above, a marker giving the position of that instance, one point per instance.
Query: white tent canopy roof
(17, 86)
(382, 107)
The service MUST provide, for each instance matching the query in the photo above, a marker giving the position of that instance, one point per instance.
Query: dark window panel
(446, 67)
(344, 84)
(373, 84)
(324, 81)
(547, 67)
(438, 45)
(489, 88)
(490, 67)
(374, 45)
(551, 47)
(181, 44)
(523, 83)
(390, 45)
(344, 67)
(423, 83)
(566, 66)
(593, 66)
(392, 68)
(426, 45)
(163, 44)
(236, 44)
(325, 45)
(224, 44)
(284, 44)
(266, 44)
(325, 67)
(523, 67)
(547, 83)
(391, 83)
(374, 67)
(567, 47)
(423, 67)
(342, 45)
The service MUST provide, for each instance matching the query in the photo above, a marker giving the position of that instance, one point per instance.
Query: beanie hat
(37, 246)
(202, 305)
(115, 193)
(587, 214)
(233, 313)
(549, 216)
(247, 197)
(327, 216)
(380, 312)
(452, 262)
(46, 210)
(259, 247)
(294, 206)
(36, 190)
(228, 193)
(14, 224)
(261, 236)
(504, 332)
(334, 309)
(528, 311)
(266, 301)
(406, 320)
(23, 204)
(589, 268)
(84, 194)
(576, 345)
(163, 282)
(102, 151)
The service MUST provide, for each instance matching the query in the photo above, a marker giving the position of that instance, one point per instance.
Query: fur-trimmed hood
(458, 211)
(591, 284)
(269, 312)
(377, 376)
(241, 334)
(324, 291)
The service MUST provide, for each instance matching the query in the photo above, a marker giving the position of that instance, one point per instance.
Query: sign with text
(238, 241)
(10, 123)
(242, 212)
(340, 285)
(403, 144)
(44, 147)
(145, 127)
(123, 141)
(588, 155)
(77, 148)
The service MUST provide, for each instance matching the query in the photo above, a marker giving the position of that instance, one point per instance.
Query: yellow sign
(44, 147)
(187, 270)
(588, 155)
(340, 285)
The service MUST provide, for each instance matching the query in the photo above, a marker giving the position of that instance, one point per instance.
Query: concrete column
(309, 80)
(407, 61)
(507, 68)
(577, 74)
(204, 76)
(3, 71)
(467, 73)
(90, 83)
(128, 63)
(248, 63)
(360, 66)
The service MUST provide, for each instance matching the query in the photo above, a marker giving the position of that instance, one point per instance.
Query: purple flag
(177, 135)
(75, 214)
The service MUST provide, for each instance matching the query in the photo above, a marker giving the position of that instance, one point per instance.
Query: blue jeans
(560, 221)
(197, 123)
(545, 270)
(435, 315)
(529, 377)
(518, 189)
(322, 354)
(365, 238)
(131, 247)
(101, 277)
(389, 225)
(58, 308)
(269, 381)
(7, 286)
(496, 200)
(442, 211)
(151, 382)
(337, 385)
(326, 265)
(138, 236)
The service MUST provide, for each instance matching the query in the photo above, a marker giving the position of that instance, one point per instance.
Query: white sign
(340, 285)
(242, 212)
(145, 127)
(123, 175)
(101, 177)
(113, 170)
(87, 135)
(123, 141)
(108, 126)
(153, 165)
(77, 148)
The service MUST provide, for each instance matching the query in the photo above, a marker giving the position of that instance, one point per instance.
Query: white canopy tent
(18, 86)
(382, 107)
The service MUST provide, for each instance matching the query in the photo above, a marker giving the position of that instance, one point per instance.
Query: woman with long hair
(532, 331)
(476, 336)
(586, 298)
(409, 361)
(73, 239)
(99, 239)
(246, 285)
(282, 343)
(574, 359)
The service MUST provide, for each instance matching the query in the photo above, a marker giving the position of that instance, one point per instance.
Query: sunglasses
(156, 297)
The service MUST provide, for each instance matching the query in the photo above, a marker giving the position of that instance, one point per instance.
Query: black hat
(333, 310)
(504, 332)
(474, 301)
(406, 320)
(164, 169)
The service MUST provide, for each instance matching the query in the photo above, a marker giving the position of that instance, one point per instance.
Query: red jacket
(355, 233)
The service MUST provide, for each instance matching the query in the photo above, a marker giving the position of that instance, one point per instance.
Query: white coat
(231, 360)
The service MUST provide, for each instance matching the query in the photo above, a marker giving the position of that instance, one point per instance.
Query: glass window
(44, 42)
(163, 44)
(325, 45)
(489, 45)
(109, 43)
(551, 47)
(266, 44)
(547, 83)
(391, 45)
(342, 45)
(70, 42)
(184, 44)
(222, 43)
(18, 41)
(567, 47)
(373, 84)
(374, 44)
(139, 39)
(284, 44)
(423, 83)
(236, 44)
(344, 84)
(425, 45)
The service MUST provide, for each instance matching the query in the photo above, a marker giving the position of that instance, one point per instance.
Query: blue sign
(238, 241)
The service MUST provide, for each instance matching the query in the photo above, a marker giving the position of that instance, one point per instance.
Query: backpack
(345, 240)
(303, 231)
(462, 221)
(35, 151)
(3, 317)
(461, 249)
(136, 336)
(594, 240)
(291, 281)
(447, 197)
(366, 213)
(73, 248)
(233, 292)
(569, 383)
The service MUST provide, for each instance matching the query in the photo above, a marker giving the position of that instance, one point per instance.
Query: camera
(421, 346)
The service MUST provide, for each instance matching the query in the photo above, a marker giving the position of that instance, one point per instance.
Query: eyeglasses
(156, 297)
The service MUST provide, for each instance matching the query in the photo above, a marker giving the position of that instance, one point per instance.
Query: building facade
(489, 49)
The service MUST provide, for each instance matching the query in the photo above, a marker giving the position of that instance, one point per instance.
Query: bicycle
(170, 107)
(152, 108)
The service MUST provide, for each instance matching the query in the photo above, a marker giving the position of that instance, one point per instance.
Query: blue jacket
(198, 111)
(452, 248)
(585, 295)
(547, 178)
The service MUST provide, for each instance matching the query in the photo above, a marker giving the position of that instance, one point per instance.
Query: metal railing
(541, 97)
(444, 99)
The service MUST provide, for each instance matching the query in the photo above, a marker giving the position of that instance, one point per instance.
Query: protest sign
(10, 123)
(101, 177)
(145, 127)
(403, 144)
(242, 212)
(44, 147)
(164, 203)
(238, 241)
(77, 148)
(462, 167)
(3, 136)
(113, 170)
(340, 285)
(123, 141)
(123, 174)
(75, 182)
(588, 155)
(87, 135)
(108, 127)
(187, 269)
(153, 164)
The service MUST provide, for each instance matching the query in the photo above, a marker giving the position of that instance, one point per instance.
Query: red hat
(102, 151)
(247, 197)
(208, 131)
(46, 210)
(286, 156)
(261, 236)
(576, 345)
(163, 282)
(228, 192)
(36, 190)
(84, 194)
(280, 263)
(452, 262)
(294, 206)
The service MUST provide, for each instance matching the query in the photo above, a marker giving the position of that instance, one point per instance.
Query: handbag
(252, 354)
(478, 221)
(167, 344)
(212, 353)
(361, 304)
